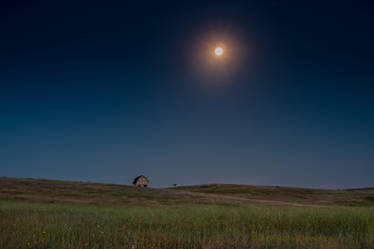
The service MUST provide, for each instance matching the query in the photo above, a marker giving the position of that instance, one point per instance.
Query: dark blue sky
(105, 91)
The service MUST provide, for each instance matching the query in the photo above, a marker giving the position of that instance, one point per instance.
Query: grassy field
(350, 197)
(56, 214)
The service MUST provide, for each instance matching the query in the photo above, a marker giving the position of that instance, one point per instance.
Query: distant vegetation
(56, 214)
(351, 197)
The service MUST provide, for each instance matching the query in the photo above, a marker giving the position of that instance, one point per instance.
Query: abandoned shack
(141, 181)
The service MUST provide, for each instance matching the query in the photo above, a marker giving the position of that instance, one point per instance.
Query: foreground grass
(33, 225)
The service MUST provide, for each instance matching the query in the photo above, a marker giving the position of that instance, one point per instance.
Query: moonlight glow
(218, 51)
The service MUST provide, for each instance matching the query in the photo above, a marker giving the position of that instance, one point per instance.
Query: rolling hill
(51, 191)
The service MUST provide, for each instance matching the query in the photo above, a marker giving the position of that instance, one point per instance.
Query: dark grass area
(41, 190)
(362, 197)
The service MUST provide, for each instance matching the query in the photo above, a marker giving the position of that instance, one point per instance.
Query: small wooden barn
(141, 181)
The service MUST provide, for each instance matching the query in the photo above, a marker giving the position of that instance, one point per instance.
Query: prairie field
(64, 215)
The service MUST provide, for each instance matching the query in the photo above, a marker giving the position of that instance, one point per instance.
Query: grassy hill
(351, 197)
(54, 191)
(52, 214)
(40, 190)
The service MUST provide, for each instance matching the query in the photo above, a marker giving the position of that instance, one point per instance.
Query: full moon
(218, 51)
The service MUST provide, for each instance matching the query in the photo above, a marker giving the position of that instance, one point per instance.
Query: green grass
(41, 214)
(32, 225)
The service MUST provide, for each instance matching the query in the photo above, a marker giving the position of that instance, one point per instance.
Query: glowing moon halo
(218, 51)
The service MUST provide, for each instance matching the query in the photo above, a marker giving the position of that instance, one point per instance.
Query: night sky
(104, 91)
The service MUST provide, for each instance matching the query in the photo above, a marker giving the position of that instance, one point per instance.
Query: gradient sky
(104, 91)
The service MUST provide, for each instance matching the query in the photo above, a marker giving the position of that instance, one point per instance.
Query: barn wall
(142, 181)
